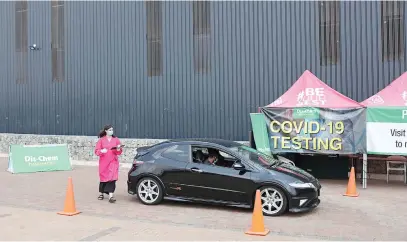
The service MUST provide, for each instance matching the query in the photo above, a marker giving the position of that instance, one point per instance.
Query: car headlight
(302, 185)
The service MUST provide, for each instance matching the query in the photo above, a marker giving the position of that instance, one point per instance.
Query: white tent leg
(364, 171)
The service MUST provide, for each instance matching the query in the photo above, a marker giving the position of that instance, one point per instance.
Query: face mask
(109, 132)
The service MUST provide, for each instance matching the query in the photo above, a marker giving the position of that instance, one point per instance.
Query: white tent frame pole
(364, 172)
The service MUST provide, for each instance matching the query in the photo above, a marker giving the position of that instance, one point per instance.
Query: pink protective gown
(108, 162)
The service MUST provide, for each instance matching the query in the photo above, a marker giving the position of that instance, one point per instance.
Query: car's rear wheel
(149, 191)
(273, 201)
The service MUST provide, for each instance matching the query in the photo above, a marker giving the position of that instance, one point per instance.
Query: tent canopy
(309, 91)
(394, 95)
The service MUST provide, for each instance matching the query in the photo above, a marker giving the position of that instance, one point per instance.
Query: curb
(83, 163)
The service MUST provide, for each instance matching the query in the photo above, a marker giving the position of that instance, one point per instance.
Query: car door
(174, 160)
(212, 182)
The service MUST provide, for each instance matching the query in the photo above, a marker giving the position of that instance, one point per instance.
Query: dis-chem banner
(316, 130)
(38, 158)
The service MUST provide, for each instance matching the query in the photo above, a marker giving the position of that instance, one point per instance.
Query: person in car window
(213, 157)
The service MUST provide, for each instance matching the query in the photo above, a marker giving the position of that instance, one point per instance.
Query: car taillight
(137, 162)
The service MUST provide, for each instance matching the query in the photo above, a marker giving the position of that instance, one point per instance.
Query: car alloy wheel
(149, 191)
(273, 201)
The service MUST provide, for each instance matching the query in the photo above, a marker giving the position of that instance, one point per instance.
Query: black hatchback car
(179, 170)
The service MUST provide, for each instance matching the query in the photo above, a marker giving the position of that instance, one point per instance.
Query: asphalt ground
(29, 204)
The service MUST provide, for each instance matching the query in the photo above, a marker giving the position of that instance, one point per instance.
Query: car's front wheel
(273, 201)
(149, 191)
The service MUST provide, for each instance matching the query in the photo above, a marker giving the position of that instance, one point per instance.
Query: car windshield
(255, 156)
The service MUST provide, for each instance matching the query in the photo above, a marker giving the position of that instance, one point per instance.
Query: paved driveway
(29, 202)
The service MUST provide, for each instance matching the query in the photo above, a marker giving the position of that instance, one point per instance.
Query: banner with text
(386, 130)
(316, 130)
(36, 158)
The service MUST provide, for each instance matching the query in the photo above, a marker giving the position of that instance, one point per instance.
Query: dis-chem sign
(38, 158)
(306, 113)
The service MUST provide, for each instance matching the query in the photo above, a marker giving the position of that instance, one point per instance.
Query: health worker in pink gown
(108, 149)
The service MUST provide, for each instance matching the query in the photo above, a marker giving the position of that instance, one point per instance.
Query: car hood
(294, 171)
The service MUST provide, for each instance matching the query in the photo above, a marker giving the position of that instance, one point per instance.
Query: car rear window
(177, 152)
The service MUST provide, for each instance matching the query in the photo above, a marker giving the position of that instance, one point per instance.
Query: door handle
(194, 169)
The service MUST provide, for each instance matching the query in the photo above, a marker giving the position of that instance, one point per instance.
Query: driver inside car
(214, 157)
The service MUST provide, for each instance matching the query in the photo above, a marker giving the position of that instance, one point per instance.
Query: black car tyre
(273, 201)
(149, 191)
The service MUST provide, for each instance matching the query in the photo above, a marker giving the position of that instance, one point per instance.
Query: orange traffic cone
(69, 208)
(351, 191)
(258, 219)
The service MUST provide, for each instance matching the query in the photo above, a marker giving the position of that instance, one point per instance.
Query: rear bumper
(305, 202)
(130, 188)
(131, 181)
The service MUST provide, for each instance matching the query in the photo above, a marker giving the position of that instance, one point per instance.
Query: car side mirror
(238, 166)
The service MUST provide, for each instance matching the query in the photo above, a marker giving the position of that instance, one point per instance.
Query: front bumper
(306, 201)
(307, 206)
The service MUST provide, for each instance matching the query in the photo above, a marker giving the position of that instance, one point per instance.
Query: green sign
(306, 113)
(387, 114)
(386, 130)
(36, 158)
(260, 133)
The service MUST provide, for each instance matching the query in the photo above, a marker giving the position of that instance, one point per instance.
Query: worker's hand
(118, 147)
(104, 151)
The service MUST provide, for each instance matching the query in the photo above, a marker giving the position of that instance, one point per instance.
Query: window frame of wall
(58, 40)
(329, 32)
(21, 40)
(154, 38)
(392, 38)
(201, 30)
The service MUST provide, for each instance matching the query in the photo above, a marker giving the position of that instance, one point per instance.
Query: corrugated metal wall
(257, 50)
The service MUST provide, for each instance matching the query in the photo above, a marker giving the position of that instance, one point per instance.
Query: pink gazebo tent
(309, 91)
(387, 119)
(387, 115)
(394, 95)
(311, 117)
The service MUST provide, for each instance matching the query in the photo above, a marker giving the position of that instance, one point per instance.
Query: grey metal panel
(6, 56)
(258, 49)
